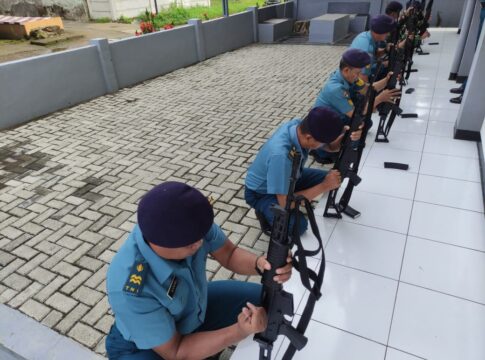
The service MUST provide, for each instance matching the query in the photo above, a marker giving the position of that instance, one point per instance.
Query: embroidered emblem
(346, 94)
(172, 288)
(291, 153)
(136, 280)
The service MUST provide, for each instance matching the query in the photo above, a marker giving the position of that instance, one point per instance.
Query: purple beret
(393, 6)
(356, 58)
(324, 124)
(174, 215)
(382, 24)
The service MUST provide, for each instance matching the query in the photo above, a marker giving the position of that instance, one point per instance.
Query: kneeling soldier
(157, 287)
(268, 177)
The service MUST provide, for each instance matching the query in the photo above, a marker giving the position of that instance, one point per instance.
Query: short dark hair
(343, 64)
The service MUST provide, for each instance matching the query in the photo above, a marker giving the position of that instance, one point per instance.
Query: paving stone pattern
(70, 182)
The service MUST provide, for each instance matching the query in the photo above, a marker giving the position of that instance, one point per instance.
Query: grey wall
(47, 83)
(450, 10)
(41, 85)
(285, 10)
(227, 34)
(472, 108)
(308, 9)
(140, 58)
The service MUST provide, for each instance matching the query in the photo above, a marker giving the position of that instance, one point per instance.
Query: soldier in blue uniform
(340, 89)
(268, 177)
(163, 305)
(367, 41)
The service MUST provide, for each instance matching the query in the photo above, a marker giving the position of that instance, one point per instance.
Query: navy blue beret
(393, 6)
(174, 215)
(382, 24)
(356, 58)
(324, 124)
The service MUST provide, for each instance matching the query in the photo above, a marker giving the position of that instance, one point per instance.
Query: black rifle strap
(305, 273)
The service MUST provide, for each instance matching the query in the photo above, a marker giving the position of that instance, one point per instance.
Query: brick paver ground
(70, 182)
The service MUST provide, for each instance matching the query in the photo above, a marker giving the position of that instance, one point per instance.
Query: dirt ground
(14, 50)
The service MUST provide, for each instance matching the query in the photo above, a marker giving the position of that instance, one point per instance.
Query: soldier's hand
(252, 319)
(356, 135)
(332, 180)
(389, 95)
(283, 273)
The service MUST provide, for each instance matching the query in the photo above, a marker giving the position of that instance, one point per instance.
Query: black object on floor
(394, 165)
(456, 100)
(409, 115)
(351, 212)
(458, 90)
(410, 91)
(435, 43)
(414, 70)
(263, 223)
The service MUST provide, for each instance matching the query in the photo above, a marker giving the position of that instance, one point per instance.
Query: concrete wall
(140, 58)
(449, 10)
(227, 34)
(472, 109)
(47, 83)
(44, 84)
(68, 9)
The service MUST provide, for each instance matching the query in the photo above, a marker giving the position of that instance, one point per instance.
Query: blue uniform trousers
(224, 303)
(264, 202)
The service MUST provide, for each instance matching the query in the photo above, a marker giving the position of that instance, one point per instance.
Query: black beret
(324, 124)
(356, 58)
(382, 24)
(174, 215)
(393, 6)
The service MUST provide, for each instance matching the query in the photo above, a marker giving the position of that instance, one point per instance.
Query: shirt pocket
(176, 300)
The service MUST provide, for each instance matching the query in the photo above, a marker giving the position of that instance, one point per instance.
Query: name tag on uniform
(172, 288)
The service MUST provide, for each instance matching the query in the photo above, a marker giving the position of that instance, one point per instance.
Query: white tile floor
(406, 280)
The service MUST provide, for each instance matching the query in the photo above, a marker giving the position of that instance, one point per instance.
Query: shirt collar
(294, 136)
(342, 80)
(160, 267)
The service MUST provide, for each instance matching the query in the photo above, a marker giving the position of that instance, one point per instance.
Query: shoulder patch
(136, 280)
(346, 94)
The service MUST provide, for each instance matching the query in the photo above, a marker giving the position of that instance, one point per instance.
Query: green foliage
(124, 20)
(179, 15)
(102, 20)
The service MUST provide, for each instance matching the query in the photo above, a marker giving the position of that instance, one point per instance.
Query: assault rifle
(396, 64)
(350, 154)
(276, 301)
(411, 40)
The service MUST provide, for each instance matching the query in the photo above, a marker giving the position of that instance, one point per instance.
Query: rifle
(396, 58)
(349, 157)
(410, 43)
(275, 300)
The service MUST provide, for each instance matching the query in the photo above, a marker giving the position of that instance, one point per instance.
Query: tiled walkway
(406, 280)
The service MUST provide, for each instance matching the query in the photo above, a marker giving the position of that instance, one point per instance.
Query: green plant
(102, 20)
(125, 20)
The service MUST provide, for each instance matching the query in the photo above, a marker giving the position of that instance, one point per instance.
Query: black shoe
(323, 160)
(263, 223)
(456, 100)
(458, 90)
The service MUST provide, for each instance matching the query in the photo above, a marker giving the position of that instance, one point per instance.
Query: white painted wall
(131, 8)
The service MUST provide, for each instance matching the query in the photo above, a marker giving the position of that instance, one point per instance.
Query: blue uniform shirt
(364, 42)
(152, 297)
(337, 93)
(271, 170)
